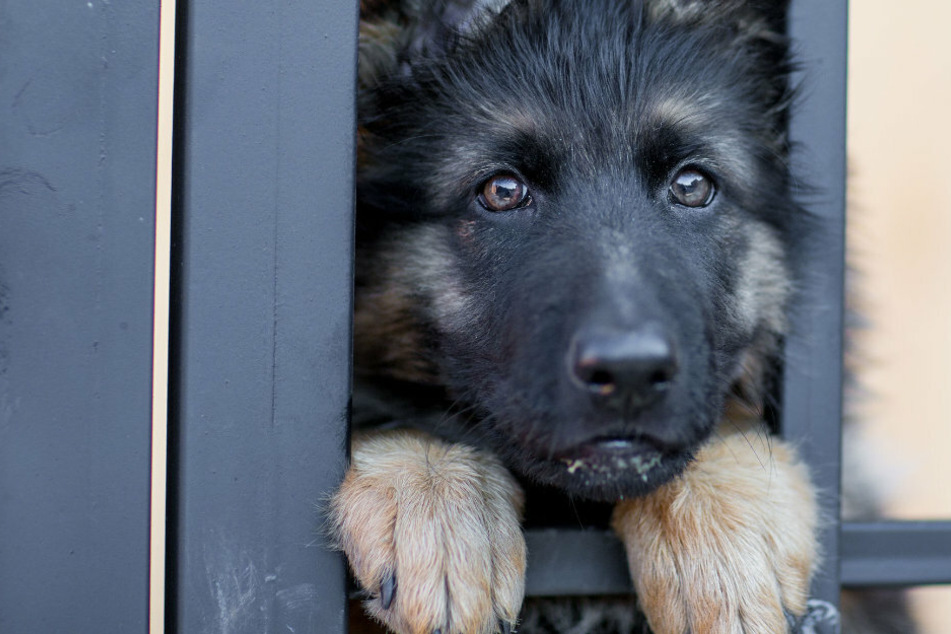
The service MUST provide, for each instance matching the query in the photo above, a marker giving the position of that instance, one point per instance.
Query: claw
(791, 620)
(388, 591)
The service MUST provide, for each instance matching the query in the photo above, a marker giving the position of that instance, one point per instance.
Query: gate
(186, 500)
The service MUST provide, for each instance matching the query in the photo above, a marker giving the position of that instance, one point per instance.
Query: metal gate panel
(811, 400)
(261, 337)
(77, 194)
(260, 355)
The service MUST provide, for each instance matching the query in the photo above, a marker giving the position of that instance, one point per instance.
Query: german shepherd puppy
(576, 251)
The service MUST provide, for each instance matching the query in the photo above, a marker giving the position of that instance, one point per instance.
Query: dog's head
(575, 215)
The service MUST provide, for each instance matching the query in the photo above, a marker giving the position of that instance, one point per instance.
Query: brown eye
(692, 188)
(504, 193)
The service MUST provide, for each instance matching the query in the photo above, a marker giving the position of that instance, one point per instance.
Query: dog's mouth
(612, 455)
(614, 467)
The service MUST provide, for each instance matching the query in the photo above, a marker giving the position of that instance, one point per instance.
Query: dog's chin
(609, 469)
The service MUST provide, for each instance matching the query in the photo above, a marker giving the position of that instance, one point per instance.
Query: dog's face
(576, 217)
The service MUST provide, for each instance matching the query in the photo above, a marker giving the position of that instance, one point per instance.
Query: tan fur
(417, 289)
(389, 340)
(379, 41)
(749, 25)
(445, 520)
(724, 548)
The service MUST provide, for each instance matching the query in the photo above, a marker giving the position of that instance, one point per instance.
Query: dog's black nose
(624, 370)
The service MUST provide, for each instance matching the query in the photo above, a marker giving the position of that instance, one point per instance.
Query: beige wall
(900, 233)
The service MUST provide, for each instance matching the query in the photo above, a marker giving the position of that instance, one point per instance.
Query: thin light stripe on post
(160, 325)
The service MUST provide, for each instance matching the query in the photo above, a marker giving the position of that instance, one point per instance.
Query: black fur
(596, 106)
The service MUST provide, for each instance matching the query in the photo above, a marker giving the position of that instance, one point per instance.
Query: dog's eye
(692, 188)
(504, 192)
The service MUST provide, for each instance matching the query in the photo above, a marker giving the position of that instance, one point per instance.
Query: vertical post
(812, 391)
(265, 163)
(77, 195)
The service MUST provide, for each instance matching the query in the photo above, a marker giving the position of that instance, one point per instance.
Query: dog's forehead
(607, 95)
(544, 142)
(599, 105)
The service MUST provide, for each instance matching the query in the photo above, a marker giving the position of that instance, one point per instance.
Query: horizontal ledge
(895, 553)
(592, 562)
(572, 562)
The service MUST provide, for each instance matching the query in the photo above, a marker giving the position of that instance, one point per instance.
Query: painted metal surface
(811, 400)
(587, 562)
(260, 396)
(78, 86)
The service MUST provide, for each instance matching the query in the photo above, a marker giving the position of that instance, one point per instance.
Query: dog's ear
(439, 22)
(761, 19)
(757, 27)
(395, 33)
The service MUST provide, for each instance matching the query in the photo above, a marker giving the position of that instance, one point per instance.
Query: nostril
(598, 380)
(660, 379)
(601, 377)
(632, 367)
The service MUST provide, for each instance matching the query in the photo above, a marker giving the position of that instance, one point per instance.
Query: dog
(577, 247)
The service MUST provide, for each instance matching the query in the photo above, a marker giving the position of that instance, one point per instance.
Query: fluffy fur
(453, 510)
(591, 337)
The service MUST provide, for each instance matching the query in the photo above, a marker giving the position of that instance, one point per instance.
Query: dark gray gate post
(857, 554)
(78, 86)
(265, 161)
(811, 410)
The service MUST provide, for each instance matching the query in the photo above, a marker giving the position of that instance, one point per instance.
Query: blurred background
(899, 135)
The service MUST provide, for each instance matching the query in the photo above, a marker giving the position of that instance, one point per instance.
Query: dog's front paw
(730, 546)
(432, 533)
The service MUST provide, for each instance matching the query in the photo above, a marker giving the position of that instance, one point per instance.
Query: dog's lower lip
(614, 444)
(611, 459)
(604, 446)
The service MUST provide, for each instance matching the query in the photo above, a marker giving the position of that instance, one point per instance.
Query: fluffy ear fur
(755, 25)
(443, 20)
(395, 32)
(764, 19)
